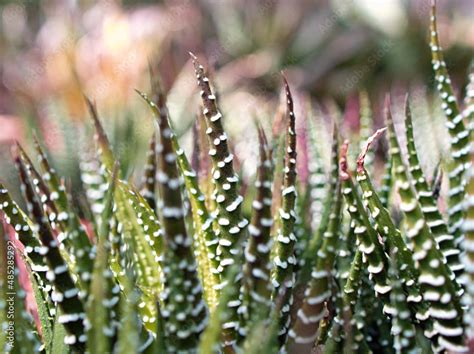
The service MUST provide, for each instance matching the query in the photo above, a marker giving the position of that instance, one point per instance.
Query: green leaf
(102, 299)
(59, 332)
(43, 306)
(457, 130)
(283, 276)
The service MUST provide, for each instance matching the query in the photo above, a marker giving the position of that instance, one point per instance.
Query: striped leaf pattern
(347, 257)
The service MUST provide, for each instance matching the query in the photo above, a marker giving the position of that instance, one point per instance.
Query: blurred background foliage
(53, 52)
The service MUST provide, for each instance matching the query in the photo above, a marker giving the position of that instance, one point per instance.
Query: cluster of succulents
(182, 264)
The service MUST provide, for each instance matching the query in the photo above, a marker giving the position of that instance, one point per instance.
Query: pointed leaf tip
(343, 166)
(361, 158)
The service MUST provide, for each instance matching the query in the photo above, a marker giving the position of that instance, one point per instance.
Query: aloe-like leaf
(344, 334)
(141, 244)
(136, 236)
(205, 239)
(149, 181)
(468, 112)
(104, 297)
(19, 333)
(457, 131)
(372, 249)
(368, 241)
(304, 330)
(350, 297)
(302, 228)
(278, 148)
(180, 271)
(137, 264)
(33, 256)
(75, 238)
(23, 227)
(65, 292)
(94, 181)
(40, 187)
(283, 276)
(128, 337)
(49, 176)
(160, 331)
(317, 238)
(317, 177)
(137, 252)
(468, 246)
(26, 334)
(231, 224)
(104, 149)
(434, 275)
(346, 250)
(403, 330)
(370, 318)
(44, 307)
(132, 337)
(57, 220)
(59, 333)
(387, 183)
(210, 340)
(257, 265)
(149, 224)
(366, 126)
(427, 203)
(263, 335)
(341, 316)
(391, 236)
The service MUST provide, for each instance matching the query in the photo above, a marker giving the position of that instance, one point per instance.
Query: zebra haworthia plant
(346, 261)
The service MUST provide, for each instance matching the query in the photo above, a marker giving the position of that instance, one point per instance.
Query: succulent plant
(318, 265)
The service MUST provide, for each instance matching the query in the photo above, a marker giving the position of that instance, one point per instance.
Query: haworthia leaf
(205, 240)
(94, 181)
(368, 240)
(105, 151)
(76, 240)
(141, 245)
(457, 131)
(366, 126)
(317, 238)
(387, 183)
(23, 228)
(392, 238)
(128, 338)
(434, 275)
(59, 333)
(317, 178)
(104, 294)
(180, 272)
(403, 330)
(257, 253)
(231, 224)
(136, 251)
(283, 277)
(149, 175)
(304, 330)
(427, 203)
(210, 339)
(43, 305)
(65, 292)
(468, 247)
